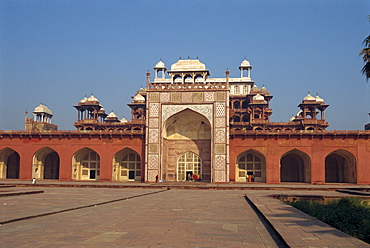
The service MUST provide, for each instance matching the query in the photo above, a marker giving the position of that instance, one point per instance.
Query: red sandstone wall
(272, 148)
(317, 149)
(66, 148)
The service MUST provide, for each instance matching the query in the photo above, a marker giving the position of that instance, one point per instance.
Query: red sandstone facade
(216, 129)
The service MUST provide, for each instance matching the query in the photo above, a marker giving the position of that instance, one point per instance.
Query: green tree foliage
(350, 215)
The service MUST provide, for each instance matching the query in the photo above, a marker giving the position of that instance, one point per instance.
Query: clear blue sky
(57, 51)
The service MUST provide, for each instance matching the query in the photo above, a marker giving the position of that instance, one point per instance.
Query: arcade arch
(9, 164)
(340, 167)
(126, 165)
(252, 163)
(295, 166)
(85, 165)
(45, 164)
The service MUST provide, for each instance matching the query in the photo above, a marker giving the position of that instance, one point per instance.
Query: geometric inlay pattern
(220, 109)
(154, 96)
(220, 176)
(153, 136)
(153, 110)
(154, 122)
(176, 97)
(220, 122)
(197, 97)
(220, 162)
(165, 96)
(220, 136)
(187, 96)
(153, 148)
(221, 96)
(152, 174)
(153, 162)
(209, 96)
(219, 148)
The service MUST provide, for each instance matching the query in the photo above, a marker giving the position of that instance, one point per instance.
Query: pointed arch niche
(340, 167)
(188, 164)
(86, 165)
(183, 132)
(45, 164)
(251, 162)
(126, 166)
(9, 164)
(295, 166)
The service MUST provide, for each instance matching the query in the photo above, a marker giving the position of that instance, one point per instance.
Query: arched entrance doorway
(86, 165)
(340, 167)
(186, 135)
(188, 164)
(9, 164)
(251, 163)
(127, 166)
(295, 167)
(45, 164)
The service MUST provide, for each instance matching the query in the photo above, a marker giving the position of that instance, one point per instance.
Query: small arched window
(236, 105)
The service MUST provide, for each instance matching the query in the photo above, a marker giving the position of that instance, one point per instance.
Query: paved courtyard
(98, 217)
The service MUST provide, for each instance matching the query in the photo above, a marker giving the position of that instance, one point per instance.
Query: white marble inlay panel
(153, 136)
(153, 110)
(204, 109)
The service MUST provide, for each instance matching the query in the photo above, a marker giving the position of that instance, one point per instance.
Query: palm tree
(366, 55)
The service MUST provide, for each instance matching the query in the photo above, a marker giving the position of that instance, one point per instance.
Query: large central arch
(183, 132)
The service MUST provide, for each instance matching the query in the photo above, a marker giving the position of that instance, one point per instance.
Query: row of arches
(118, 128)
(269, 129)
(126, 165)
(295, 166)
(240, 118)
(239, 104)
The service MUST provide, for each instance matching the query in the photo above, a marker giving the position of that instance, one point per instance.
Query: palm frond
(366, 41)
(365, 54)
(366, 70)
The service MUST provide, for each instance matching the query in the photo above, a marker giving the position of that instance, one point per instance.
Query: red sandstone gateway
(189, 124)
